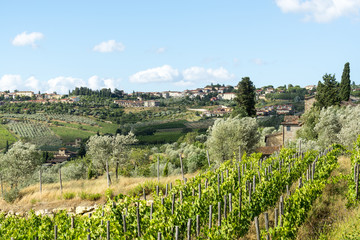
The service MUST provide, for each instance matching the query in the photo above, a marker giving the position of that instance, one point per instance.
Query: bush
(11, 195)
(149, 186)
(68, 195)
(109, 193)
(90, 196)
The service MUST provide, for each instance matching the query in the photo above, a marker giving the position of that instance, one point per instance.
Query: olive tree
(226, 135)
(19, 163)
(105, 150)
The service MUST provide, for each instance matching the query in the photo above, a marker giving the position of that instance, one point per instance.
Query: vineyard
(38, 133)
(51, 116)
(216, 204)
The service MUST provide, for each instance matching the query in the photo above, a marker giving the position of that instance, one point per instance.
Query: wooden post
(199, 191)
(173, 203)
(257, 228)
(210, 216)
(276, 217)
(176, 232)
(222, 177)
(197, 225)
(157, 190)
(166, 190)
(239, 153)
(55, 232)
(225, 205)
(250, 193)
(158, 168)
(72, 222)
(182, 168)
(124, 223)
(151, 210)
(208, 157)
(60, 180)
(159, 236)
(230, 202)
(219, 214)
(189, 229)
(206, 183)
(138, 222)
(108, 230)
(240, 199)
(40, 180)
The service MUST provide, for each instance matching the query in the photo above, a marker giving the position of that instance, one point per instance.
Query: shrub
(109, 193)
(90, 196)
(149, 186)
(68, 195)
(11, 195)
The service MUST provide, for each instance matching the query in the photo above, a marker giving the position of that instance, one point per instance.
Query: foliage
(238, 221)
(345, 87)
(19, 163)
(5, 137)
(246, 96)
(109, 149)
(327, 92)
(226, 135)
(68, 195)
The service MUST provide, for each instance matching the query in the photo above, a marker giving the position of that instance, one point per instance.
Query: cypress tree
(345, 88)
(327, 92)
(246, 96)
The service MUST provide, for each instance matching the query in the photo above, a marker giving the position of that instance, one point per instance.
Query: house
(275, 139)
(24, 93)
(151, 103)
(227, 96)
(310, 87)
(62, 156)
(290, 125)
(129, 103)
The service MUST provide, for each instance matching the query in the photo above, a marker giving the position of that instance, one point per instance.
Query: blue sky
(175, 45)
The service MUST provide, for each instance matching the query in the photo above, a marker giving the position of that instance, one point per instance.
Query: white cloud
(160, 50)
(160, 74)
(109, 46)
(64, 84)
(95, 82)
(33, 84)
(183, 83)
(10, 82)
(25, 38)
(207, 75)
(320, 10)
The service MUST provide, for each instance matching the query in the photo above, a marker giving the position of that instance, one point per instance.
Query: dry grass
(51, 197)
(329, 209)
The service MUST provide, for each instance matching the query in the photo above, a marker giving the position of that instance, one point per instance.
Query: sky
(143, 45)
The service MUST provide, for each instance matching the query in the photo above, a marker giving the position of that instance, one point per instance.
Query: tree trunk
(117, 170)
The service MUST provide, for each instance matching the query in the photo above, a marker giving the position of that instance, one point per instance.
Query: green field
(160, 137)
(5, 135)
(70, 134)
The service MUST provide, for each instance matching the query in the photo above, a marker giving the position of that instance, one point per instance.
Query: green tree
(246, 96)
(327, 92)
(226, 135)
(19, 163)
(345, 87)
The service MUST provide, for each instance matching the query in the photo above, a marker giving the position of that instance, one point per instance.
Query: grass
(329, 210)
(87, 192)
(70, 134)
(5, 135)
(161, 137)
